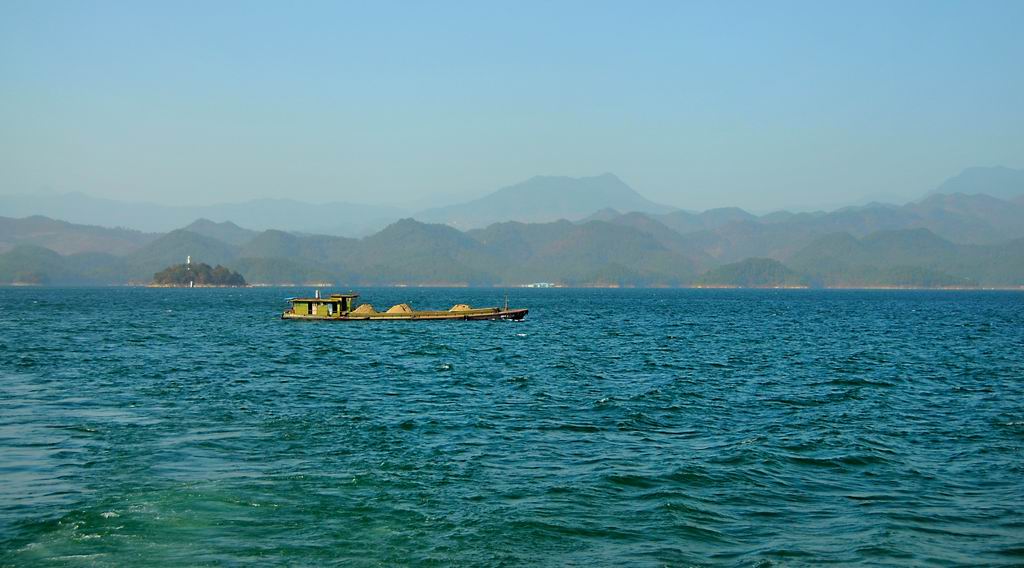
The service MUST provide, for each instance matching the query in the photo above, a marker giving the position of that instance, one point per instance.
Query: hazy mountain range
(543, 199)
(260, 214)
(998, 181)
(968, 238)
(539, 199)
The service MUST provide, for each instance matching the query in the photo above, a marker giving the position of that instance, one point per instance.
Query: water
(640, 427)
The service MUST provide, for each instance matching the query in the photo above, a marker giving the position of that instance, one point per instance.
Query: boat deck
(341, 307)
(472, 314)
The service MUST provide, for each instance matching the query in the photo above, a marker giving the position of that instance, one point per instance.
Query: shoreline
(180, 286)
(23, 285)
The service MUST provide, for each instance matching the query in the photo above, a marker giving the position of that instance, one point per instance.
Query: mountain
(337, 251)
(226, 231)
(942, 240)
(335, 218)
(517, 243)
(909, 257)
(751, 239)
(32, 264)
(174, 248)
(635, 251)
(684, 222)
(997, 181)
(544, 199)
(68, 238)
(284, 271)
(753, 273)
(411, 251)
(666, 237)
(332, 218)
(595, 252)
(731, 235)
(964, 218)
(608, 254)
(606, 214)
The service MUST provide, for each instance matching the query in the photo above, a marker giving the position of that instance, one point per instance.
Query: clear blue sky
(763, 105)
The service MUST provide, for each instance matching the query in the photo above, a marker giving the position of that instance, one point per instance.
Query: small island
(200, 274)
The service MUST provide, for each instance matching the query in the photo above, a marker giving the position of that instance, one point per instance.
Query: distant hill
(698, 259)
(997, 181)
(516, 243)
(410, 251)
(684, 222)
(731, 235)
(606, 214)
(36, 265)
(912, 258)
(593, 253)
(909, 257)
(963, 218)
(544, 199)
(225, 231)
(943, 240)
(173, 248)
(284, 271)
(753, 273)
(335, 218)
(538, 200)
(32, 264)
(68, 238)
(607, 254)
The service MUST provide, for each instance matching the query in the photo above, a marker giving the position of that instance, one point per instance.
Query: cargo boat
(340, 307)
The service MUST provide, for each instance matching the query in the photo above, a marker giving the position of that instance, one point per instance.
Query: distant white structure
(188, 260)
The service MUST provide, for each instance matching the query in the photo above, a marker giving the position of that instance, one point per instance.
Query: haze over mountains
(539, 199)
(998, 181)
(543, 199)
(585, 231)
(287, 214)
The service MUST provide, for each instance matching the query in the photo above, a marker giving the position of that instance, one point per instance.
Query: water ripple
(613, 427)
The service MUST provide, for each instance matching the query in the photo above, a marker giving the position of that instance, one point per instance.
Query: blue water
(612, 427)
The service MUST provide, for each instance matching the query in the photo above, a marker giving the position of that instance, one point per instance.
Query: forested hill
(626, 250)
(963, 239)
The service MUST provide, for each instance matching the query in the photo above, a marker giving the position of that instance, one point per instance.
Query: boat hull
(478, 314)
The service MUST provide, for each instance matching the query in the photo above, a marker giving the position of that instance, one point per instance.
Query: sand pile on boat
(400, 309)
(460, 308)
(364, 309)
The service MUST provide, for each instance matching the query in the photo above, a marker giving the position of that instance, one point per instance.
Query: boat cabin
(332, 306)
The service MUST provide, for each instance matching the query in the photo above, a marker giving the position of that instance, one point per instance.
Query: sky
(763, 105)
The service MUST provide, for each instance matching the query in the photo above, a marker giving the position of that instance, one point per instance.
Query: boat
(342, 307)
